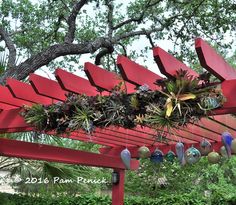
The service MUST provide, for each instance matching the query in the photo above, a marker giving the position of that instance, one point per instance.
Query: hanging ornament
(180, 152)
(223, 152)
(205, 147)
(157, 156)
(210, 103)
(227, 140)
(170, 156)
(192, 155)
(213, 157)
(143, 152)
(126, 158)
(233, 146)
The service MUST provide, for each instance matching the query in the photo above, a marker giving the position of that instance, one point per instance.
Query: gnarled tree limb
(11, 48)
(70, 35)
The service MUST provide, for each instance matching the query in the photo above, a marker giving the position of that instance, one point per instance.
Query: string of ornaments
(190, 156)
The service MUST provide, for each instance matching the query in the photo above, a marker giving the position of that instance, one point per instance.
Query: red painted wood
(214, 127)
(46, 87)
(228, 87)
(222, 111)
(27, 150)
(4, 106)
(213, 62)
(168, 64)
(25, 92)
(228, 121)
(7, 98)
(95, 139)
(105, 79)
(74, 83)
(118, 189)
(136, 74)
(11, 119)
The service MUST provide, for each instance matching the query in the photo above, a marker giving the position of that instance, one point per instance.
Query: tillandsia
(176, 102)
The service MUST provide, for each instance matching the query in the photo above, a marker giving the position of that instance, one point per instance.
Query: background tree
(37, 33)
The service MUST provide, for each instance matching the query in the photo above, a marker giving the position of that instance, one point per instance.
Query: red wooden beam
(4, 106)
(7, 98)
(118, 188)
(26, 92)
(74, 83)
(213, 62)
(136, 74)
(104, 79)
(27, 150)
(168, 64)
(47, 87)
(228, 121)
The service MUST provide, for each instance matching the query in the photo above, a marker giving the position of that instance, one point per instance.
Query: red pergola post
(118, 189)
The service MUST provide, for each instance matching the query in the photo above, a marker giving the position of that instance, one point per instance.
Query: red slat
(75, 84)
(4, 106)
(168, 64)
(7, 98)
(47, 87)
(14, 148)
(228, 88)
(25, 92)
(136, 74)
(10, 119)
(213, 62)
(105, 79)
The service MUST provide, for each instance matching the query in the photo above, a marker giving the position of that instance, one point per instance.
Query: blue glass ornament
(157, 156)
(192, 155)
(126, 158)
(180, 152)
(170, 156)
(205, 147)
(227, 140)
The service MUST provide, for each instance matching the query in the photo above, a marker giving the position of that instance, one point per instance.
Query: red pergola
(114, 139)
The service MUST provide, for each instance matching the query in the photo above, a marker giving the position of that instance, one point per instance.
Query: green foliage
(184, 199)
(180, 101)
(200, 183)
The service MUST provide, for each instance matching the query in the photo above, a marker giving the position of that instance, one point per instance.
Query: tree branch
(136, 33)
(109, 4)
(139, 18)
(70, 36)
(10, 46)
(43, 58)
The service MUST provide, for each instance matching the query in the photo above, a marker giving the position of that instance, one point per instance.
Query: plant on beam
(178, 101)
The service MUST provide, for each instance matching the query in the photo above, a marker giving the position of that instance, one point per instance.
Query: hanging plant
(182, 100)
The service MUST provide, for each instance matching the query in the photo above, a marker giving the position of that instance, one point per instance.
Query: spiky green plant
(37, 116)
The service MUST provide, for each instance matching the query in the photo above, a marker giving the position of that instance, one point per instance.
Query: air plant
(181, 100)
(36, 115)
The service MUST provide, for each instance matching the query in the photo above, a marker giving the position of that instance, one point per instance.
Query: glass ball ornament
(126, 158)
(157, 156)
(170, 156)
(213, 157)
(233, 146)
(192, 155)
(143, 152)
(205, 147)
(223, 151)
